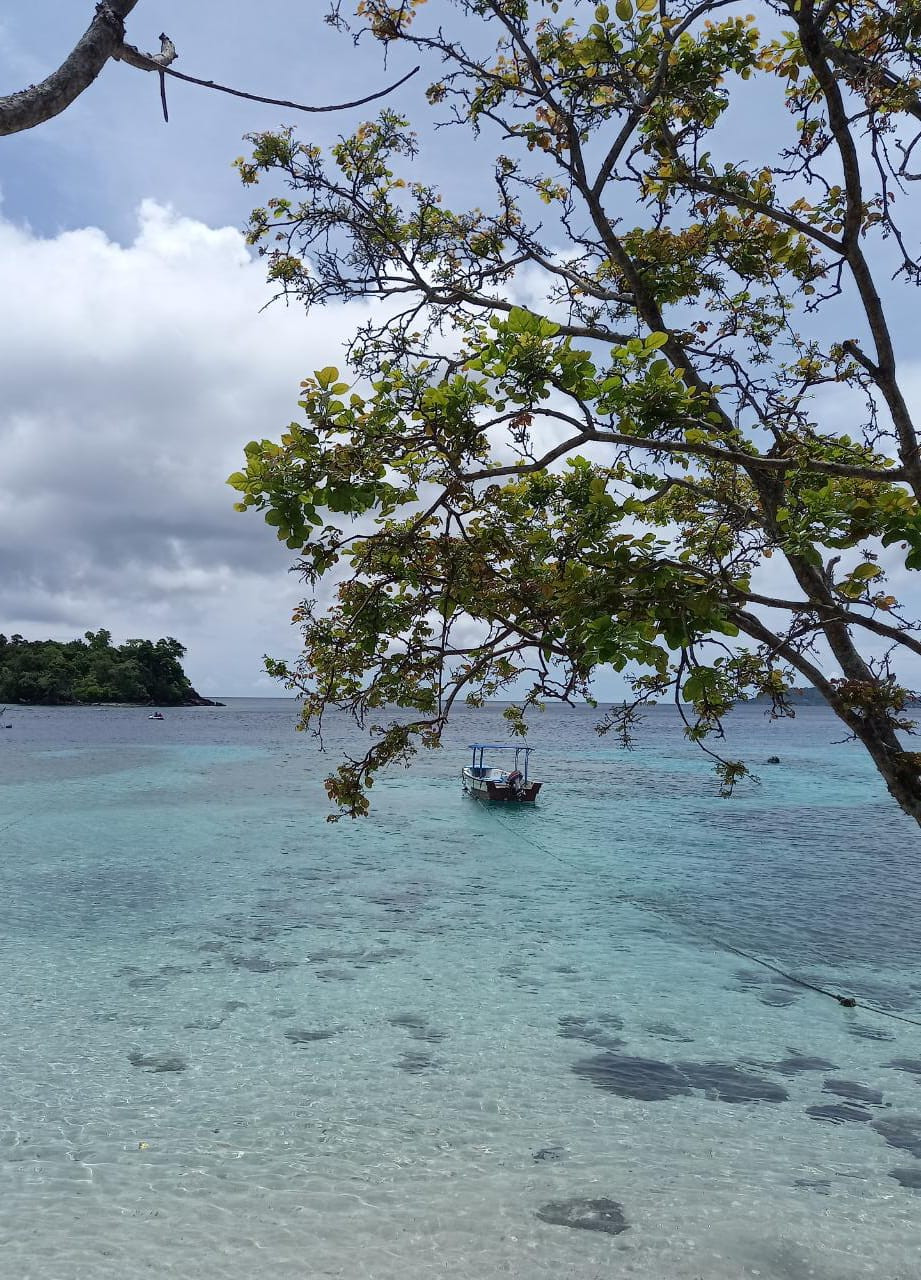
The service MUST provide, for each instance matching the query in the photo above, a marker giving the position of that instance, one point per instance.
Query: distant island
(807, 696)
(49, 673)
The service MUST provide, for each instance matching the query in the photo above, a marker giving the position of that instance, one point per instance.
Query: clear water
(239, 1041)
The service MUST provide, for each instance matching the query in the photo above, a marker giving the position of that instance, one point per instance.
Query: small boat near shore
(492, 782)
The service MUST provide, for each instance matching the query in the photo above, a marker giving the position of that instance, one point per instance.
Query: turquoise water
(239, 1041)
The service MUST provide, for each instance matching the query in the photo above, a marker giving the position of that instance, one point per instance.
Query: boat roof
(498, 746)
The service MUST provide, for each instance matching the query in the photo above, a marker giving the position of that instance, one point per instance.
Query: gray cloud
(133, 373)
(133, 377)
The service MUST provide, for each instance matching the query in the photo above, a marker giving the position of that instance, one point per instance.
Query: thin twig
(137, 59)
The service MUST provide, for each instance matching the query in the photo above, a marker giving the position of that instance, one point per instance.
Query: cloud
(132, 377)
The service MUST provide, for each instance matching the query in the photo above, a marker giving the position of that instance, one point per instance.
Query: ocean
(453, 1040)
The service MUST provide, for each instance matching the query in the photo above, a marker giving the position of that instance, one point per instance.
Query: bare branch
(105, 39)
(145, 62)
(652, 444)
(40, 102)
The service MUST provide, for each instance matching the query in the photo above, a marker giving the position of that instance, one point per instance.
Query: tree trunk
(897, 767)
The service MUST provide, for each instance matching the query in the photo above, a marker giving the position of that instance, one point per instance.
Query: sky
(138, 356)
(138, 352)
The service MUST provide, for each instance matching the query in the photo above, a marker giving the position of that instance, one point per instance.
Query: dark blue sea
(453, 1040)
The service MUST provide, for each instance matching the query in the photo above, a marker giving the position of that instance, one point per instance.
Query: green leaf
(624, 10)
(725, 627)
(519, 320)
(326, 377)
(693, 687)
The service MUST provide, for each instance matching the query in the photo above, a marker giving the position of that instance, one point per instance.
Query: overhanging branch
(157, 62)
(701, 449)
(103, 39)
(40, 102)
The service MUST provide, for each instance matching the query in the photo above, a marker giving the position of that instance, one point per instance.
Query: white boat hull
(492, 784)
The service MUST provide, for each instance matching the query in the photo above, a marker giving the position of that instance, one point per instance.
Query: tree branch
(904, 637)
(885, 370)
(103, 39)
(756, 628)
(751, 461)
(873, 73)
(40, 102)
(146, 62)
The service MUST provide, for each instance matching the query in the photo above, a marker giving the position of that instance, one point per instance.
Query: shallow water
(239, 1040)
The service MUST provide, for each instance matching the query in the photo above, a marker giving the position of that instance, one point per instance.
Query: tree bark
(40, 102)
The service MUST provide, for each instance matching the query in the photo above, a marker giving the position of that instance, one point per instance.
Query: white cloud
(132, 377)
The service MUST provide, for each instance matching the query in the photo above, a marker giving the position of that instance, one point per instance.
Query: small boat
(491, 782)
(157, 715)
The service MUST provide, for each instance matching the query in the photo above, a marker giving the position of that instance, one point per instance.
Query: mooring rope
(846, 1002)
(16, 821)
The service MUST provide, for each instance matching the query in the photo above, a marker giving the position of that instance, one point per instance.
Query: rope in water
(847, 1002)
(15, 822)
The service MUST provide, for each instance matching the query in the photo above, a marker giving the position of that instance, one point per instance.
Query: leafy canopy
(644, 407)
(52, 673)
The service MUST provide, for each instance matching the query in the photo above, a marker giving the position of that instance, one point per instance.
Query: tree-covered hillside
(94, 670)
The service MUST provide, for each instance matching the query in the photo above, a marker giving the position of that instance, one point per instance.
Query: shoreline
(114, 706)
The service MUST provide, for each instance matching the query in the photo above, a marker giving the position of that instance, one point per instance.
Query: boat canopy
(480, 747)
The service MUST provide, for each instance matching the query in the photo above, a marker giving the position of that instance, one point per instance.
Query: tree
(104, 40)
(692, 457)
(95, 670)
